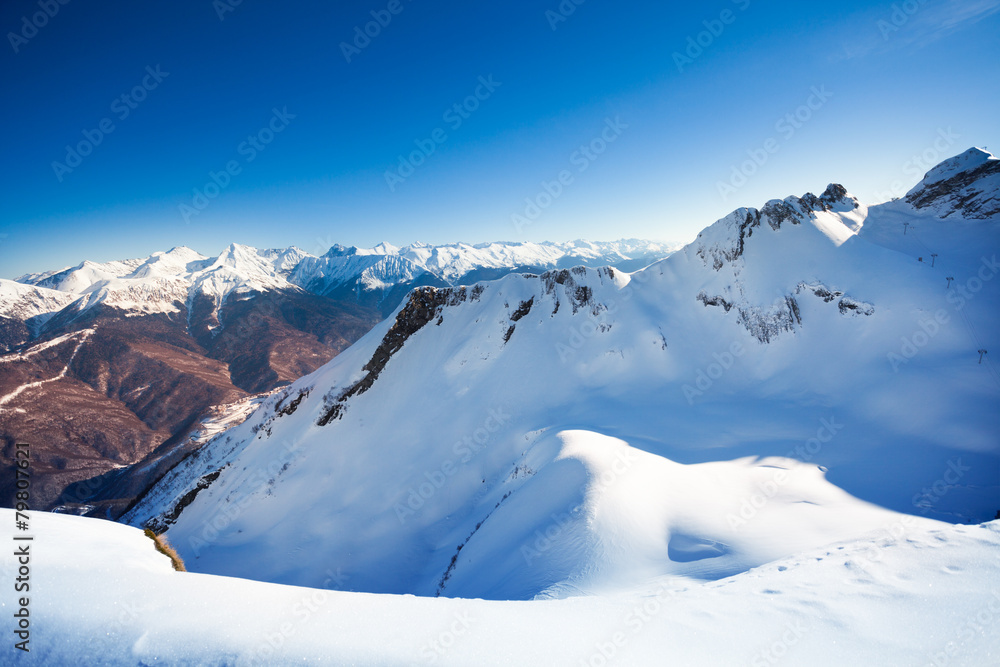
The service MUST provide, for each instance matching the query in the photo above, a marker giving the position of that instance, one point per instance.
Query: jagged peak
(724, 240)
(338, 250)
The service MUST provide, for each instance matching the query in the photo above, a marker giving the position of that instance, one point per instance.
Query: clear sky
(189, 87)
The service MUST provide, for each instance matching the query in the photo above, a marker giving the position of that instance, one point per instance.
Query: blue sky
(312, 132)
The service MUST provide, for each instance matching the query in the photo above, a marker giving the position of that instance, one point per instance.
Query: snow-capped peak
(965, 186)
(164, 281)
(970, 159)
(338, 250)
(31, 304)
(835, 213)
(384, 248)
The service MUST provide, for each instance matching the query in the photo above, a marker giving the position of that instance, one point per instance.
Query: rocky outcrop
(733, 232)
(422, 307)
(970, 193)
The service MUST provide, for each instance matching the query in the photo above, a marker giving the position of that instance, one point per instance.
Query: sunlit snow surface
(912, 592)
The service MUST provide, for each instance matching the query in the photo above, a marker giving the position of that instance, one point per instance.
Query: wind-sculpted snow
(911, 592)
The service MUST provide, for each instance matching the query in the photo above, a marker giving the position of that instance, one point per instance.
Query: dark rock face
(579, 296)
(523, 309)
(766, 325)
(714, 301)
(846, 304)
(835, 193)
(161, 523)
(424, 306)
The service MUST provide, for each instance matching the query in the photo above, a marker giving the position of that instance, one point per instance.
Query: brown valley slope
(105, 399)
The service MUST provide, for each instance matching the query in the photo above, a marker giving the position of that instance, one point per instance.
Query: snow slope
(914, 592)
(780, 384)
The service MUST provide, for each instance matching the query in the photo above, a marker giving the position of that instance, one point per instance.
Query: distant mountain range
(109, 363)
(168, 282)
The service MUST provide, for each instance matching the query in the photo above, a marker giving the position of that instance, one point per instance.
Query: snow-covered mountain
(794, 377)
(175, 335)
(24, 310)
(167, 282)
